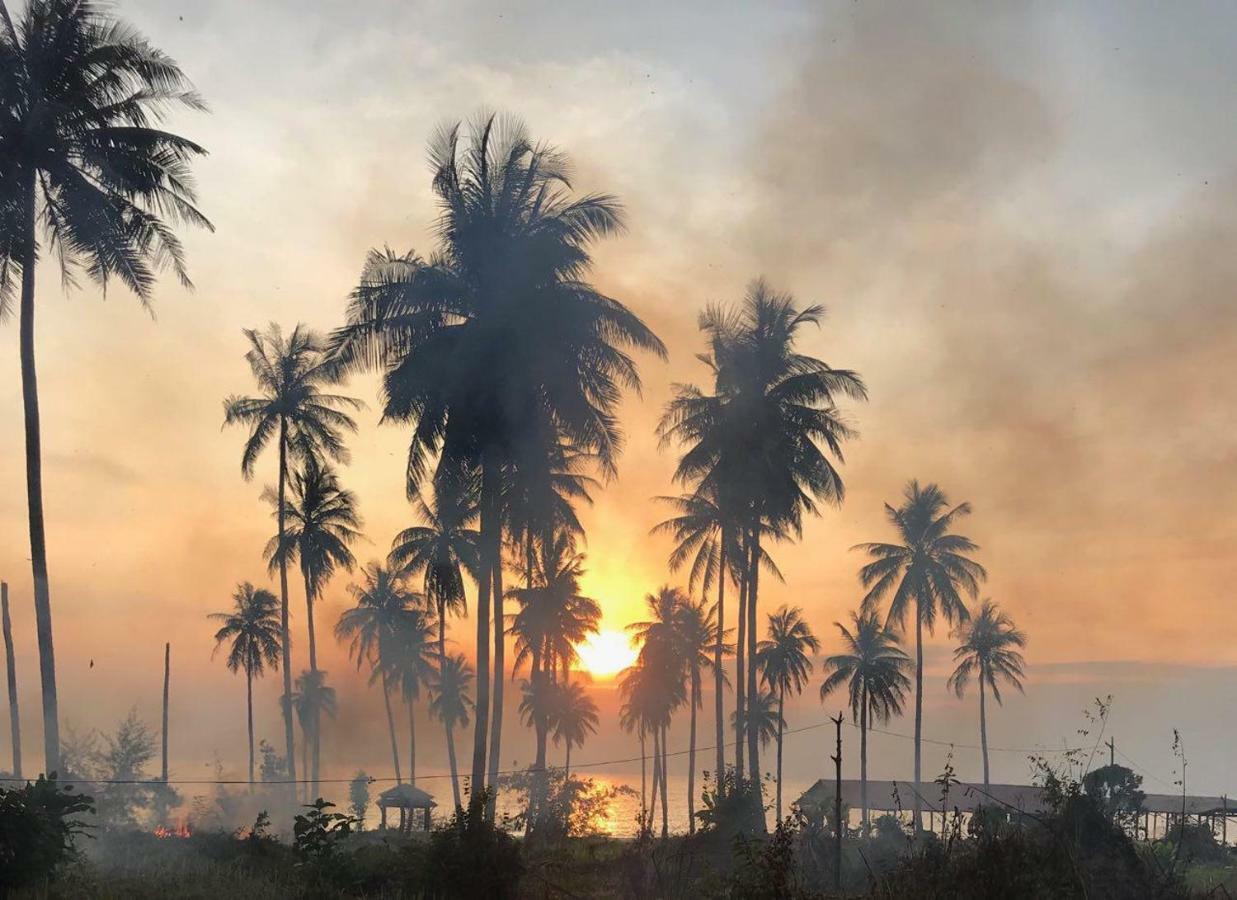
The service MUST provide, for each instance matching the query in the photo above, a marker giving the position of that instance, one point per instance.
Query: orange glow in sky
(606, 653)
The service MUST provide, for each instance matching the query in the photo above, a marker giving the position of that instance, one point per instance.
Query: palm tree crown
(783, 658)
(989, 649)
(872, 667)
(252, 628)
(321, 522)
(449, 684)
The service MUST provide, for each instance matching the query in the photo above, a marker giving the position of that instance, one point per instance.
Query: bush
(733, 806)
(37, 830)
(470, 858)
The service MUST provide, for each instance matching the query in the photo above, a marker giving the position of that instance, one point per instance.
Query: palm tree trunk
(34, 491)
(753, 739)
(644, 794)
(412, 743)
(315, 713)
(540, 727)
(10, 663)
(740, 679)
(386, 698)
(665, 776)
(983, 727)
(653, 795)
(249, 720)
(781, 724)
(567, 763)
(167, 676)
(863, 759)
(496, 719)
(455, 774)
(308, 787)
(691, 750)
(447, 726)
(489, 553)
(285, 633)
(719, 709)
(918, 804)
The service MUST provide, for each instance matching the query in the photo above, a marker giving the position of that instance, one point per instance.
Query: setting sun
(606, 653)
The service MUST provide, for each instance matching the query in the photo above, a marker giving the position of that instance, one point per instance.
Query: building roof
(888, 796)
(405, 796)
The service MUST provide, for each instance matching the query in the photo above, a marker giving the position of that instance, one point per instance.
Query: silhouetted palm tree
(412, 662)
(462, 336)
(989, 650)
(697, 630)
(763, 718)
(928, 571)
(575, 718)
(765, 439)
(83, 163)
(645, 709)
(320, 521)
(873, 668)
(451, 704)
(703, 534)
(373, 627)
(312, 697)
(291, 408)
(785, 665)
(252, 632)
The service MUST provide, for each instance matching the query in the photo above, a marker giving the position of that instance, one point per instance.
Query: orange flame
(180, 830)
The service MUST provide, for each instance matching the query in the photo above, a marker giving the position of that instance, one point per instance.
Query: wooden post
(838, 826)
(1224, 824)
(167, 672)
(10, 663)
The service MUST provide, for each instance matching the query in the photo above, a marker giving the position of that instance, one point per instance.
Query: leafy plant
(317, 833)
(37, 830)
(469, 857)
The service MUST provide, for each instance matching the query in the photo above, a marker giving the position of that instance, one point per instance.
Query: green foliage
(769, 869)
(1195, 842)
(358, 798)
(272, 767)
(37, 829)
(469, 858)
(571, 807)
(317, 833)
(733, 806)
(1117, 791)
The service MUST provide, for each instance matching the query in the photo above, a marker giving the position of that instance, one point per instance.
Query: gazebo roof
(405, 796)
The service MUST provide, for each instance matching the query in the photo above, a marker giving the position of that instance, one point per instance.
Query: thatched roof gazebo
(405, 798)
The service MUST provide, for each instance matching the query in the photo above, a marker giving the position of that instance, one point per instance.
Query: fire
(180, 830)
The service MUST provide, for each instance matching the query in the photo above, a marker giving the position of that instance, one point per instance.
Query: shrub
(37, 830)
(469, 857)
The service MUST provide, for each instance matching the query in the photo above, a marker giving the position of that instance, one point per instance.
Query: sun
(606, 653)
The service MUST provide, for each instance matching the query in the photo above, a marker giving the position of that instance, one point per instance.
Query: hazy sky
(1020, 217)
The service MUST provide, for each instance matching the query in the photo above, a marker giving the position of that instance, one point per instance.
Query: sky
(1018, 216)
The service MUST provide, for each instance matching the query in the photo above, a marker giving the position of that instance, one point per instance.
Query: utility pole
(838, 826)
(1112, 752)
(167, 671)
(11, 670)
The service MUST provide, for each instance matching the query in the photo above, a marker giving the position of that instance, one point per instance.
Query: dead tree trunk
(10, 663)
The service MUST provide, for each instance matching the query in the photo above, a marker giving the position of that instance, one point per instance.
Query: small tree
(358, 798)
(1117, 792)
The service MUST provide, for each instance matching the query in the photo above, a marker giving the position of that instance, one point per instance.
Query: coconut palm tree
(85, 167)
(462, 341)
(696, 631)
(575, 718)
(989, 650)
(451, 704)
(763, 718)
(412, 661)
(766, 438)
(320, 521)
(307, 423)
(251, 631)
(647, 705)
(373, 626)
(873, 668)
(785, 665)
(703, 533)
(312, 697)
(929, 571)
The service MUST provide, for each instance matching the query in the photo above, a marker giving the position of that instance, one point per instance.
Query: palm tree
(703, 533)
(463, 339)
(253, 631)
(320, 521)
(784, 666)
(765, 439)
(82, 162)
(312, 697)
(575, 718)
(873, 667)
(290, 373)
(451, 704)
(989, 649)
(646, 708)
(373, 627)
(696, 631)
(412, 663)
(929, 569)
(763, 717)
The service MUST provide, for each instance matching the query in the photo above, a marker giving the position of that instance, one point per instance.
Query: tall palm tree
(785, 665)
(312, 697)
(251, 630)
(765, 439)
(320, 521)
(575, 718)
(873, 668)
(696, 631)
(703, 533)
(451, 704)
(383, 604)
(928, 570)
(763, 718)
(463, 340)
(649, 698)
(989, 650)
(412, 663)
(83, 163)
(290, 372)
